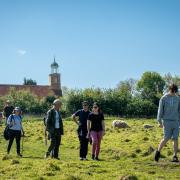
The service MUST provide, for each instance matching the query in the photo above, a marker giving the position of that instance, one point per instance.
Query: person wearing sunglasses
(15, 130)
(81, 121)
(96, 129)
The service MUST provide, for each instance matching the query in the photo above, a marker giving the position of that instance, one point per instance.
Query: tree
(29, 82)
(151, 86)
(141, 108)
(27, 101)
(169, 79)
(129, 85)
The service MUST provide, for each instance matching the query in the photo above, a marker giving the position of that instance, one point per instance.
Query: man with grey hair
(54, 127)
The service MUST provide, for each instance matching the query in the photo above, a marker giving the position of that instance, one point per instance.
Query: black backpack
(6, 130)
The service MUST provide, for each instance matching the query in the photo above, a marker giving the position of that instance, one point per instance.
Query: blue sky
(96, 42)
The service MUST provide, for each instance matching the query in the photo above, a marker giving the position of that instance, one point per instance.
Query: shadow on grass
(32, 157)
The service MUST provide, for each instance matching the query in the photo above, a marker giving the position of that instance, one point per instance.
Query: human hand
(103, 133)
(88, 135)
(23, 134)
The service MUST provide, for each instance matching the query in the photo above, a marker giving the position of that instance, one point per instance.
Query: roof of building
(39, 90)
(54, 64)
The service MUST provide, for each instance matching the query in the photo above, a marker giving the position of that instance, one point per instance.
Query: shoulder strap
(12, 117)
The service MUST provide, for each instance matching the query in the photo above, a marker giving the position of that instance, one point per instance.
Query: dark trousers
(55, 139)
(17, 135)
(83, 146)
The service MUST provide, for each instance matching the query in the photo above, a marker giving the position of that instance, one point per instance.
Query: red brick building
(54, 87)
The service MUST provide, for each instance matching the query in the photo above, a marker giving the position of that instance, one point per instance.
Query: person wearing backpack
(54, 126)
(82, 115)
(15, 130)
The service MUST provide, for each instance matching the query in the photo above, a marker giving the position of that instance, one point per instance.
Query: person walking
(54, 125)
(8, 110)
(82, 115)
(15, 130)
(168, 118)
(96, 129)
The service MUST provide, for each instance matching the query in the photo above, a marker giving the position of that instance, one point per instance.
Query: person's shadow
(32, 157)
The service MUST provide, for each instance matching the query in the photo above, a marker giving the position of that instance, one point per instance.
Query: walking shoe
(19, 155)
(175, 159)
(157, 156)
(46, 155)
(96, 158)
(81, 158)
(85, 159)
(93, 157)
(57, 158)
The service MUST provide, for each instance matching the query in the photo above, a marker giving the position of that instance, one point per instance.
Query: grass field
(125, 153)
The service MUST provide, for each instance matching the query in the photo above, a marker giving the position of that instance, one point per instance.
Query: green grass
(124, 152)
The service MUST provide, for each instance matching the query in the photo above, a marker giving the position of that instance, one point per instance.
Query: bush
(141, 108)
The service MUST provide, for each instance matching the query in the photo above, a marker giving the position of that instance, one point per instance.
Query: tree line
(131, 98)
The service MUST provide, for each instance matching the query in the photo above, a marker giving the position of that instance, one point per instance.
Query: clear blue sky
(96, 42)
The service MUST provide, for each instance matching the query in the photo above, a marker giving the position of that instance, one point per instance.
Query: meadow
(125, 154)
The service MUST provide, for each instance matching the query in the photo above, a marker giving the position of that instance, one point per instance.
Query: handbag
(6, 132)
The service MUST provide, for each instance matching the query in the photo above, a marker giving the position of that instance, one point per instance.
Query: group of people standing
(91, 126)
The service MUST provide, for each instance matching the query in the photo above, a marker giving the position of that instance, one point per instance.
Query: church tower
(55, 79)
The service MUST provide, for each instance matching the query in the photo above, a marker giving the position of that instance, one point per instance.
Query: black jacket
(51, 120)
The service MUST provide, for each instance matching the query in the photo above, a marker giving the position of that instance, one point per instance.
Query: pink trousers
(96, 142)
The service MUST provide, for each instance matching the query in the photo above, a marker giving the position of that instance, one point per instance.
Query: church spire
(54, 66)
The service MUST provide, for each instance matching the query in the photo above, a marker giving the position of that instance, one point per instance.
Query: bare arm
(22, 130)
(75, 119)
(103, 126)
(88, 127)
